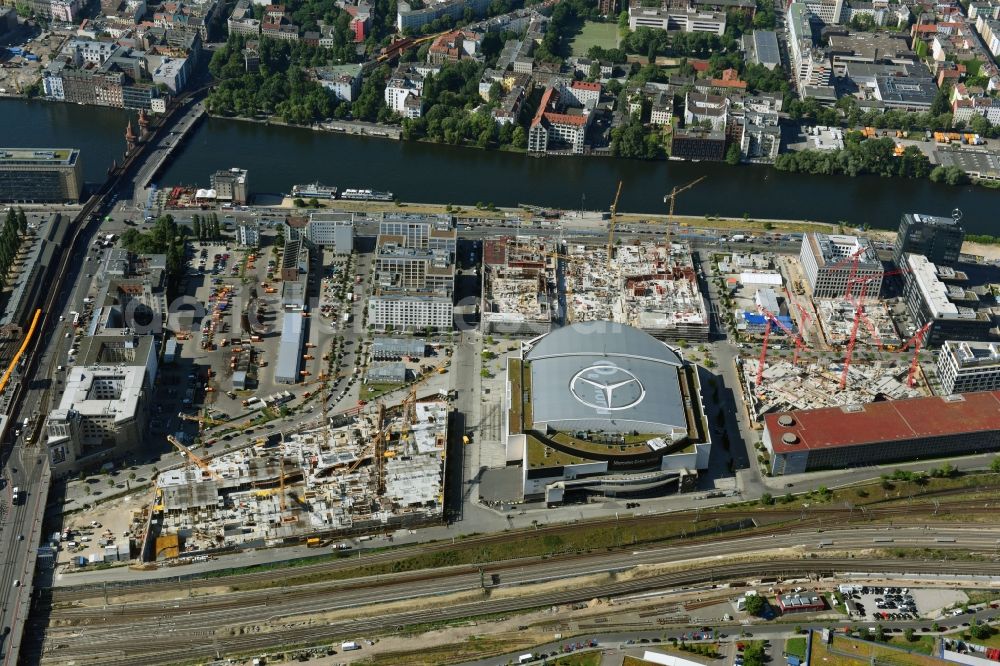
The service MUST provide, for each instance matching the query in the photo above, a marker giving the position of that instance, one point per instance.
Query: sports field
(594, 34)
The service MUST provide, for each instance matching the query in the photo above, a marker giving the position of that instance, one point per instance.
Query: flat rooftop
(978, 355)
(38, 156)
(889, 421)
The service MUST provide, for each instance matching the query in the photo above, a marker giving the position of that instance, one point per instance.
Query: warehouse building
(394, 349)
(601, 408)
(828, 261)
(40, 175)
(965, 367)
(882, 432)
(937, 238)
(286, 371)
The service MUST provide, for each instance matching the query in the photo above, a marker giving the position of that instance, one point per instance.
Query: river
(278, 157)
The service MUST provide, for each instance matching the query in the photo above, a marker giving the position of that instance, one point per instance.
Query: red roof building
(882, 432)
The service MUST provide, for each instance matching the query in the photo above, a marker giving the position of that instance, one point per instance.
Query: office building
(937, 238)
(882, 432)
(575, 401)
(830, 261)
(698, 143)
(231, 185)
(948, 308)
(101, 416)
(409, 17)
(414, 272)
(40, 175)
(966, 367)
(332, 230)
(679, 19)
(426, 232)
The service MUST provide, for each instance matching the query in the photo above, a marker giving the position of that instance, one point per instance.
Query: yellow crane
(203, 420)
(672, 197)
(192, 457)
(378, 442)
(612, 221)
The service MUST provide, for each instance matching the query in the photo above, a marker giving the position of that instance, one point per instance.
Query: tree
(766, 499)
(755, 605)
(995, 464)
(909, 634)
(196, 227)
(733, 154)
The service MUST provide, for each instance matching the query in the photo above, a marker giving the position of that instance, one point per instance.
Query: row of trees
(858, 157)
(14, 227)
(206, 228)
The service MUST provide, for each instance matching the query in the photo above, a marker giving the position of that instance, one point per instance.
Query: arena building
(600, 408)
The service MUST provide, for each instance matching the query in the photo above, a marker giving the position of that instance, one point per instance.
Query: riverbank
(352, 127)
(688, 223)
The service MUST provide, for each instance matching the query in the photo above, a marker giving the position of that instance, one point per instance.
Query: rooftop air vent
(790, 438)
(853, 409)
(786, 420)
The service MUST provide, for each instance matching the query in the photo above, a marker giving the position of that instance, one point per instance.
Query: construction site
(650, 285)
(520, 286)
(378, 469)
(784, 386)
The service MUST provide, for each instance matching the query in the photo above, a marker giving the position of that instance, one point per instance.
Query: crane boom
(613, 220)
(917, 341)
(200, 462)
(672, 197)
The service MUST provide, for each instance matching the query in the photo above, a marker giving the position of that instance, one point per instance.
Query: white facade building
(966, 367)
(681, 19)
(410, 313)
(334, 230)
(828, 261)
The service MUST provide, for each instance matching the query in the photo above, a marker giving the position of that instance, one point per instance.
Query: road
(153, 631)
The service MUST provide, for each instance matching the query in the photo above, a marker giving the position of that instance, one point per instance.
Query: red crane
(859, 313)
(917, 341)
(799, 344)
(858, 310)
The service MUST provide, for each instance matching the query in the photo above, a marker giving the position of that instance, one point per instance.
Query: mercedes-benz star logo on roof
(607, 387)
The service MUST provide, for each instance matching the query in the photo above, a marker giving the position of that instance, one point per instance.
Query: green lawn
(796, 646)
(594, 34)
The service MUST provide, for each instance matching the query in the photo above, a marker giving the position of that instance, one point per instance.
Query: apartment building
(242, 21)
(409, 17)
(810, 65)
(557, 126)
(829, 261)
(344, 81)
(403, 91)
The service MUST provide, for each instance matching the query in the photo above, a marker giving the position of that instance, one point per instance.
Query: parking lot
(900, 603)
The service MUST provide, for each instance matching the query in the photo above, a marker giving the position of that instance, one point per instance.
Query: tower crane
(917, 341)
(772, 319)
(859, 314)
(672, 197)
(200, 462)
(612, 222)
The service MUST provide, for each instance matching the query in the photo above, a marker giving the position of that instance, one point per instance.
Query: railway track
(184, 647)
(819, 517)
